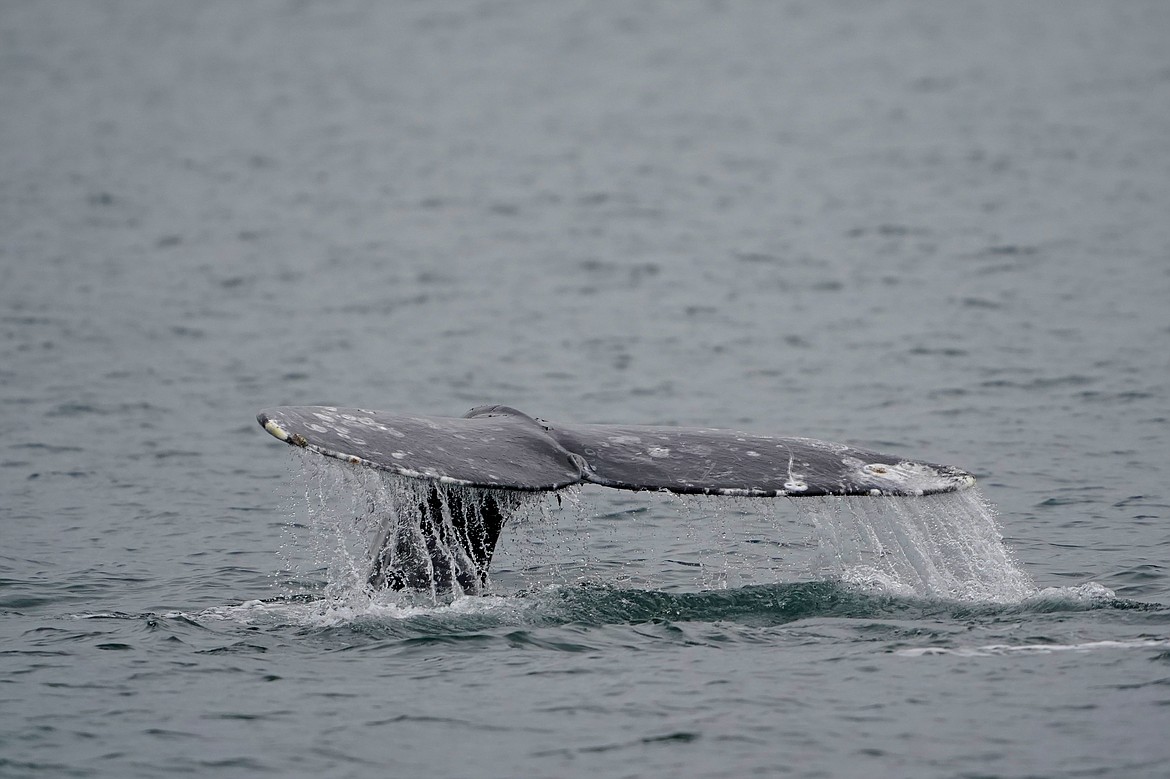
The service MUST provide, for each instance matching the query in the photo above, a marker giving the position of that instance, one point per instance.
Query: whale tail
(470, 470)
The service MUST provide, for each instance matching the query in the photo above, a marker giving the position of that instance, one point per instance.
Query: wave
(994, 650)
(598, 604)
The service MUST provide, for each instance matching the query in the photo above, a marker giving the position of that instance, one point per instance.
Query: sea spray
(363, 522)
(732, 542)
(547, 540)
(945, 546)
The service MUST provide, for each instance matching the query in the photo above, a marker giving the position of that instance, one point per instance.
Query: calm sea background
(941, 230)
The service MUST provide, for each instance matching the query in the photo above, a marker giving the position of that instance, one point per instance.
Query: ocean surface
(938, 230)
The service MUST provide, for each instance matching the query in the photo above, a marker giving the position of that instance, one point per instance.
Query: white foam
(1084, 593)
(331, 613)
(993, 650)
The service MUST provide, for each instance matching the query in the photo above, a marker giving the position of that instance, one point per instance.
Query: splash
(327, 613)
(946, 546)
(369, 530)
(365, 524)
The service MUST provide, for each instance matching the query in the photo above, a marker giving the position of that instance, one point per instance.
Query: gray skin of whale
(496, 450)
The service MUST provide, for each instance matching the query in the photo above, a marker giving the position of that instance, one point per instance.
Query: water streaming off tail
(369, 530)
(945, 546)
(941, 545)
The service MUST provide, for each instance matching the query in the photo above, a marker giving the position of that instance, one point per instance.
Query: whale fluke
(497, 448)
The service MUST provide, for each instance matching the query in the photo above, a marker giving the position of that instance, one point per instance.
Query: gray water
(932, 229)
